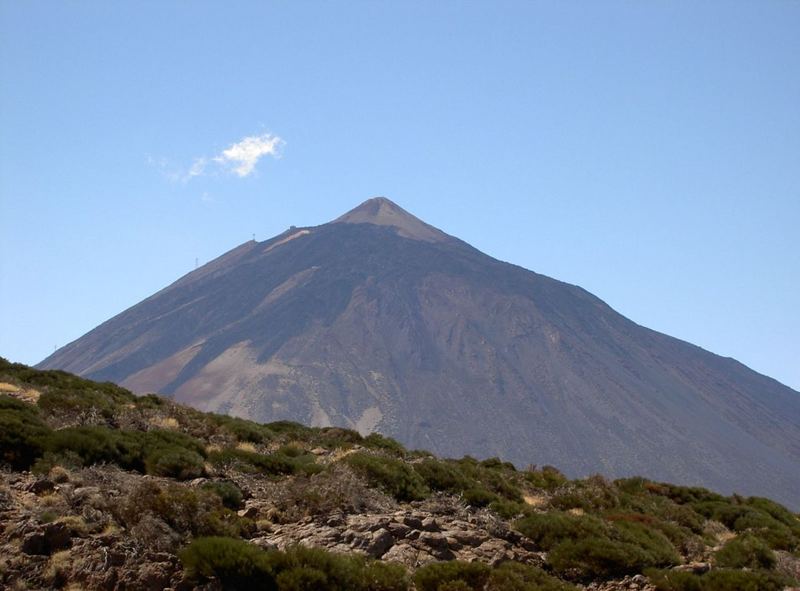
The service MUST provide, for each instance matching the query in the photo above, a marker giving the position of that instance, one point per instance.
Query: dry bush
(335, 490)
(151, 532)
(56, 573)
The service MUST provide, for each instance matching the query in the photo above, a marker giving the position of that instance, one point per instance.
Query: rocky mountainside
(100, 489)
(379, 322)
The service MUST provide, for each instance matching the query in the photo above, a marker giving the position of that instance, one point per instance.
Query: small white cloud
(198, 168)
(240, 158)
(245, 154)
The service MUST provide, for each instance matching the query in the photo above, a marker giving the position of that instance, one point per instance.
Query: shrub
(436, 576)
(241, 429)
(478, 496)
(22, 433)
(187, 511)
(583, 547)
(716, 580)
(239, 565)
(547, 530)
(746, 517)
(496, 477)
(513, 576)
(248, 461)
(593, 558)
(94, 445)
(307, 569)
(385, 576)
(387, 444)
(67, 394)
(658, 550)
(746, 551)
(290, 450)
(174, 462)
(235, 563)
(548, 477)
(290, 430)
(593, 494)
(776, 511)
(507, 509)
(163, 453)
(496, 463)
(443, 476)
(474, 576)
(393, 476)
(230, 494)
(150, 401)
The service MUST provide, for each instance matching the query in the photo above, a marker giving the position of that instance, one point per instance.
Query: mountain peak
(381, 211)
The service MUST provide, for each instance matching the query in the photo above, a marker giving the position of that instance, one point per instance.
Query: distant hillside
(134, 492)
(379, 322)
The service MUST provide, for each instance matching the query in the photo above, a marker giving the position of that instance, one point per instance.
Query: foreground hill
(380, 322)
(133, 492)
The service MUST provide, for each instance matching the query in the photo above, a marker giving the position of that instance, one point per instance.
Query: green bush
(95, 445)
(337, 437)
(230, 494)
(547, 530)
(66, 394)
(247, 461)
(597, 558)
(742, 517)
(234, 563)
(174, 462)
(289, 430)
(716, 580)
(23, 434)
(593, 494)
(437, 575)
(478, 496)
(239, 565)
(386, 444)
(547, 478)
(496, 477)
(162, 453)
(309, 569)
(746, 551)
(393, 476)
(658, 549)
(241, 429)
(508, 509)
(584, 547)
(476, 576)
(513, 576)
(152, 401)
(443, 476)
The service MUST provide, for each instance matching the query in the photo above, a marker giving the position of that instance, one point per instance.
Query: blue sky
(647, 151)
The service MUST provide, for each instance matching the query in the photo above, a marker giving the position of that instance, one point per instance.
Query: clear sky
(647, 151)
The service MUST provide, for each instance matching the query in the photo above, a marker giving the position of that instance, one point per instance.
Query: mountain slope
(101, 489)
(379, 321)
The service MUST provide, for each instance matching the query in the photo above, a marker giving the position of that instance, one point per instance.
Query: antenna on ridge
(196, 262)
(254, 236)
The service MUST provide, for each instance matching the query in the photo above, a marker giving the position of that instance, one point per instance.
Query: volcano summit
(379, 321)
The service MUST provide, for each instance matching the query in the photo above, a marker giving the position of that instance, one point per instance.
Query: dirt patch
(30, 395)
(535, 500)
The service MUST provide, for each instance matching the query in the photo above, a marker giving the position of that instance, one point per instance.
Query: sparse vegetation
(169, 480)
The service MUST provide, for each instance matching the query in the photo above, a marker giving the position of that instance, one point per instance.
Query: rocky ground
(62, 531)
(100, 489)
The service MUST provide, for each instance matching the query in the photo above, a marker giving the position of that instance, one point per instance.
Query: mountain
(379, 321)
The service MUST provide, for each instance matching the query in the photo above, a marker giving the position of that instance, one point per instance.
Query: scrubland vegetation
(192, 479)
